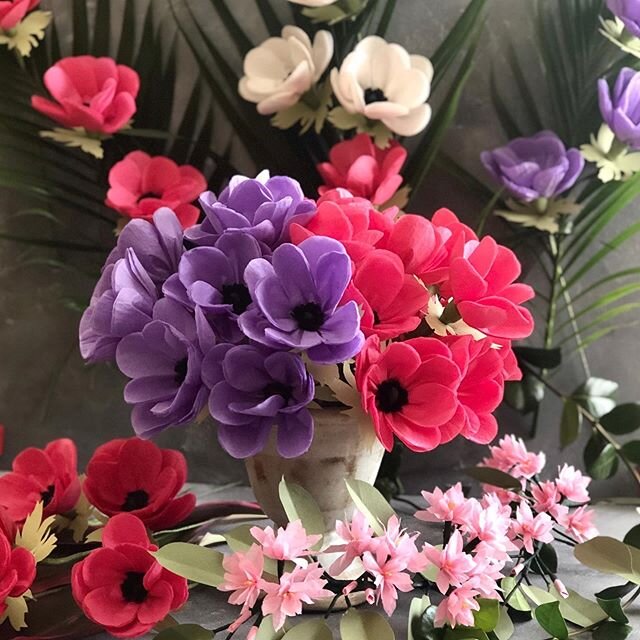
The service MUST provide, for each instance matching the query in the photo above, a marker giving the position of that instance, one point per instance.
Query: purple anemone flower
(212, 278)
(297, 301)
(164, 362)
(253, 390)
(158, 244)
(629, 12)
(621, 109)
(122, 303)
(535, 167)
(263, 207)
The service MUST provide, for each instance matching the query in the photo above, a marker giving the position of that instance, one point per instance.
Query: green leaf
(371, 503)
(385, 19)
(513, 595)
(579, 610)
(185, 632)
(600, 458)
(365, 625)
(237, 35)
(625, 418)
(550, 619)
(486, 618)
(494, 477)
(267, 632)
(504, 629)
(524, 395)
(570, 423)
(596, 395)
(310, 630)
(612, 631)
(269, 17)
(541, 358)
(417, 609)
(537, 595)
(240, 538)
(299, 504)
(613, 608)
(619, 591)
(430, 143)
(631, 451)
(632, 537)
(609, 555)
(192, 562)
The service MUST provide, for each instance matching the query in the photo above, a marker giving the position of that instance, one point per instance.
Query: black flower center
(133, 588)
(149, 194)
(181, 370)
(237, 295)
(391, 396)
(278, 389)
(309, 316)
(47, 495)
(374, 95)
(136, 500)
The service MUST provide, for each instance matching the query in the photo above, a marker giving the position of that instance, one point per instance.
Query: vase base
(323, 604)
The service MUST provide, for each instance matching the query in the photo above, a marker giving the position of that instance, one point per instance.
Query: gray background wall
(46, 391)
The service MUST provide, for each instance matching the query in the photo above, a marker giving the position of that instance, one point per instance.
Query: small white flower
(381, 81)
(281, 70)
(612, 157)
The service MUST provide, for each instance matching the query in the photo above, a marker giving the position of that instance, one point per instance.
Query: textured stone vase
(342, 448)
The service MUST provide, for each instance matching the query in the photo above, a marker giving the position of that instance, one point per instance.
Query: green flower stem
(595, 423)
(550, 324)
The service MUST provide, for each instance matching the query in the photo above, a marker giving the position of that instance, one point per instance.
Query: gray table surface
(209, 608)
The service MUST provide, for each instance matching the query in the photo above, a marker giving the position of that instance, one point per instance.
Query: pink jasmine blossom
(511, 455)
(401, 545)
(448, 506)
(457, 608)
(531, 528)
(484, 581)
(489, 522)
(285, 599)
(358, 538)
(243, 576)
(285, 544)
(545, 496)
(579, 524)
(572, 484)
(370, 596)
(245, 614)
(349, 588)
(389, 577)
(560, 588)
(505, 496)
(454, 565)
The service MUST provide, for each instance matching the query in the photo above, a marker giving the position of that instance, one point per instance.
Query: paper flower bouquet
(265, 259)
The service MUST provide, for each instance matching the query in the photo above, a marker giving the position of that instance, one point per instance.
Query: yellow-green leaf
(192, 562)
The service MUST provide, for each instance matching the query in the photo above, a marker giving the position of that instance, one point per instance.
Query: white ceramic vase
(342, 448)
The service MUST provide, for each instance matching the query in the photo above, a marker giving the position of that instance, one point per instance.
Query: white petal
(277, 102)
(291, 31)
(409, 87)
(298, 53)
(322, 52)
(411, 124)
(383, 110)
(300, 79)
(246, 93)
(269, 60)
(422, 64)
(387, 63)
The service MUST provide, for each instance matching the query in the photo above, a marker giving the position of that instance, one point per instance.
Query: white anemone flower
(281, 70)
(382, 81)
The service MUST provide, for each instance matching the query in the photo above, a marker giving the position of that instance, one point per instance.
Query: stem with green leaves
(595, 423)
(552, 310)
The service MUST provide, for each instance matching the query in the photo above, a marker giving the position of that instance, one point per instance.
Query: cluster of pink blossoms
(541, 505)
(484, 533)
(387, 561)
(248, 578)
